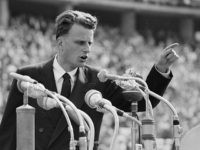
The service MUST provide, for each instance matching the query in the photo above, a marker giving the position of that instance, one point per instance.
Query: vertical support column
(128, 23)
(187, 29)
(4, 13)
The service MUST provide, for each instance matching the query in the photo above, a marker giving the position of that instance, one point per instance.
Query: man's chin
(82, 64)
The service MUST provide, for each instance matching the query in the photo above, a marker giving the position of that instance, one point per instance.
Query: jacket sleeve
(157, 83)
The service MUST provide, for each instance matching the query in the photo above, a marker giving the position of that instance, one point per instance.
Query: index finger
(171, 46)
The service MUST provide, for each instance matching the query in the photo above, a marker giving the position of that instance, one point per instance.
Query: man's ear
(59, 41)
(59, 44)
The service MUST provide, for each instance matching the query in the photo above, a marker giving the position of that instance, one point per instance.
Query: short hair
(66, 19)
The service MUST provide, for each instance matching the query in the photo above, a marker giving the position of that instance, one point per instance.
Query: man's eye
(80, 42)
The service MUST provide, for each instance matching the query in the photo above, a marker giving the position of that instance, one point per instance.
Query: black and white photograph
(99, 74)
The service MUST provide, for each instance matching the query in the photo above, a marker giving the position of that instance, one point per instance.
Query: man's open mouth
(83, 57)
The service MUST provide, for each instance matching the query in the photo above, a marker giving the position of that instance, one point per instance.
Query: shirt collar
(59, 71)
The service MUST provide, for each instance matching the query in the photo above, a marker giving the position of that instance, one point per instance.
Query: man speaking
(68, 74)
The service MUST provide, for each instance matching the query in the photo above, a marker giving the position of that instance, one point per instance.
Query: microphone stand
(134, 109)
(148, 134)
(25, 125)
(148, 124)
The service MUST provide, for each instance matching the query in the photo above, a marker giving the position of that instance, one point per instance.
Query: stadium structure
(180, 16)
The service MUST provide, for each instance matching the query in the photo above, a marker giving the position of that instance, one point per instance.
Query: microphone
(47, 103)
(26, 83)
(103, 76)
(125, 115)
(94, 99)
(23, 77)
(34, 90)
(126, 82)
(136, 80)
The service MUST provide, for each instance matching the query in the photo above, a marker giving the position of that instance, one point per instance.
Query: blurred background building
(130, 15)
(131, 33)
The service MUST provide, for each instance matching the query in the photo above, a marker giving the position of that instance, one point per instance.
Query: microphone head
(92, 97)
(22, 85)
(22, 77)
(47, 103)
(102, 76)
(132, 95)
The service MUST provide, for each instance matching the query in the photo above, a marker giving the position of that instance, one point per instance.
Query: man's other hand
(167, 58)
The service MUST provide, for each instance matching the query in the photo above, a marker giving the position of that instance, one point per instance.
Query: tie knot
(66, 76)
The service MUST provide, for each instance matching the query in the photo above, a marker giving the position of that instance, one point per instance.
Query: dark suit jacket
(49, 138)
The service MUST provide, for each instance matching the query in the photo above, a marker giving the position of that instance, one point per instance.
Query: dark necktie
(66, 86)
(55, 113)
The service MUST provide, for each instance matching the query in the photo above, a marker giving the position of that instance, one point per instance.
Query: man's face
(75, 46)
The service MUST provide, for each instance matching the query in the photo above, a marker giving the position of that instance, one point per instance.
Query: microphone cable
(92, 129)
(82, 133)
(123, 114)
(116, 122)
(70, 127)
(88, 125)
(65, 100)
(177, 129)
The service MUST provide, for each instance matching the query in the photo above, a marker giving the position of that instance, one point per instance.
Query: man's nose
(87, 48)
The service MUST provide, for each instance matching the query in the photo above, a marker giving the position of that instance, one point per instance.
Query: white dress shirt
(166, 74)
(58, 74)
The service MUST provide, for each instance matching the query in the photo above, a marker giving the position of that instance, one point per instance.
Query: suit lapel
(78, 92)
(48, 77)
(77, 97)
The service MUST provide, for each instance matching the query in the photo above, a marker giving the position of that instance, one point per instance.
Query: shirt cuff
(166, 74)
